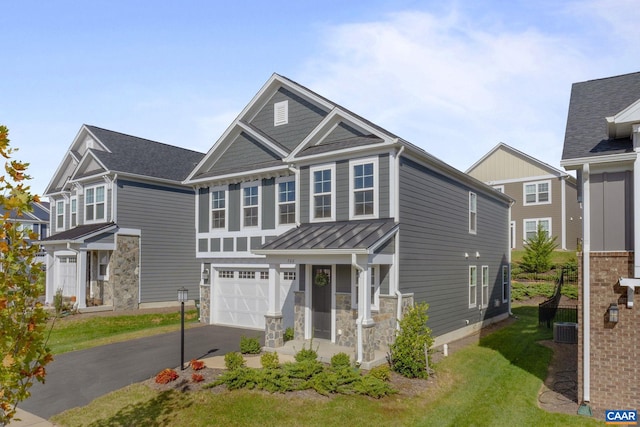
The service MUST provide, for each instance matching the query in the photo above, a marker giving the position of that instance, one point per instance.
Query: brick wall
(615, 348)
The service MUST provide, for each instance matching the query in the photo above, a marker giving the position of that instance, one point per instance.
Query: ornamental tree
(537, 251)
(23, 350)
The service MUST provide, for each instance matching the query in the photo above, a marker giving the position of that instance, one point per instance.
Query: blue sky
(455, 78)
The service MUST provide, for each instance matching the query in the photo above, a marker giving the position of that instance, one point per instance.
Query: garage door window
(246, 274)
(225, 274)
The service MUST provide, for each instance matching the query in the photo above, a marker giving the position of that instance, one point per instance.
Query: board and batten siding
(612, 211)
(164, 215)
(434, 238)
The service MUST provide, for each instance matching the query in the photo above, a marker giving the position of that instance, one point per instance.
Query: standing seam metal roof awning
(334, 237)
(79, 234)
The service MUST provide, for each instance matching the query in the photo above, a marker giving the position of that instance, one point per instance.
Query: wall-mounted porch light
(614, 313)
(205, 275)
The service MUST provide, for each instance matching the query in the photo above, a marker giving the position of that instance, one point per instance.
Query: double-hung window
(531, 227)
(218, 208)
(505, 283)
(250, 205)
(60, 215)
(537, 193)
(485, 285)
(374, 284)
(286, 201)
(94, 204)
(473, 213)
(473, 285)
(73, 208)
(363, 189)
(322, 193)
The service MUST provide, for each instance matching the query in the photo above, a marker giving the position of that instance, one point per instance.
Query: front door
(321, 301)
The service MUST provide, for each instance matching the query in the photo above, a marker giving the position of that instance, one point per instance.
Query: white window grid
(218, 208)
(286, 213)
(485, 285)
(536, 193)
(473, 213)
(288, 275)
(505, 283)
(251, 205)
(363, 188)
(60, 215)
(226, 274)
(242, 274)
(94, 203)
(323, 196)
(264, 275)
(473, 285)
(73, 211)
(530, 227)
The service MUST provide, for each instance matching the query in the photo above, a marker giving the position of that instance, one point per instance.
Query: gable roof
(532, 161)
(39, 213)
(96, 150)
(591, 102)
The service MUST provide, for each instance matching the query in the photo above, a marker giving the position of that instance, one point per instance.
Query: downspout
(360, 347)
(636, 202)
(586, 277)
(509, 259)
(114, 200)
(563, 212)
(396, 257)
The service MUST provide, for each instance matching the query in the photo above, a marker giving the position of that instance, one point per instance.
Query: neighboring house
(37, 220)
(543, 195)
(602, 143)
(311, 217)
(122, 222)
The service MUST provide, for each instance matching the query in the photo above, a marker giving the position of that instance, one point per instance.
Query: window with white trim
(246, 274)
(374, 283)
(473, 213)
(225, 274)
(485, 285)
(505, 283)
(322, 192)
(537, 193)
(73, 211)
(363, 188)
(94, 204)
(103, 265)
(281, 113)
(218, 208)
(250, 205)
(531, 227)
(473, 285)
(286, 201)
(60, 215)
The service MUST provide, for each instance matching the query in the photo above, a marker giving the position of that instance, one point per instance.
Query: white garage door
(240, 298)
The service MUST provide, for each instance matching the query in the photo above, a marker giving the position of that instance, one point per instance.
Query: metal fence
(551, 311)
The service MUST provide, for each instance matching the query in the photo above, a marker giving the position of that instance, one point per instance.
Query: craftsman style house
(311, 217)
(542, 194)
(602, 143)
(37, 221)
(121, 222)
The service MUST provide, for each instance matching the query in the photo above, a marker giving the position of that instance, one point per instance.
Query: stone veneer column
(274, 331)
(125, 274)
(298, 325)
(345, 321)
(205, 302)
(368, 342)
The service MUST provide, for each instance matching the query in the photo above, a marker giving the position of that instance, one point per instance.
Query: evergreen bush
(250, 345)
(408, 354)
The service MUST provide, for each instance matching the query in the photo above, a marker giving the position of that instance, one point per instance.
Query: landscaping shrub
(288, 334)
(537, 252)
(197, 378)
(233, 361)
(166, 376)
(306, 354)
(269, 360)
(340, 360)
(371, 386)
(196, 365)
(381, 372)
(240, 377)
(304, 369)
(274, 380)
(250, 345)
(408, 354)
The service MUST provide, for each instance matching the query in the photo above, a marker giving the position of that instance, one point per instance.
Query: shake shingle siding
(434, 237)
(303, 118)
(163, 271)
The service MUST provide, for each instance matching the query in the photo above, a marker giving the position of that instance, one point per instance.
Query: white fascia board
(303, 252)
(350, 153)
(384, 239)
(525, 179)
(87, 158)
(214, 153)
(262, 139)
(578, 162)
(483, 158)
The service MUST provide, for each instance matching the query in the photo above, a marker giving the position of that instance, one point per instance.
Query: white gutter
(636, 201)
(586, 277)
(360, 345)
(509, 259)
(563, 210)
(399, 309)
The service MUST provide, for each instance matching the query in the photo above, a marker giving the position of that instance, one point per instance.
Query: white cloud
(451, 86)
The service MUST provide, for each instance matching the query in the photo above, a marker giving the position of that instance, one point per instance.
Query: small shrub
(269, 360)
(570, 291)
(197, 378)
(324, 383)
(381, 372)
(274, 380)
(537, 251)
(408, 353)
(340, 360)
(288, 334)
(166, 376)
(238, 378)
(196, 365)
(303, 370)
(250, 345)
(233, 361)
(58, 302)
(373, 387)
(306, 354)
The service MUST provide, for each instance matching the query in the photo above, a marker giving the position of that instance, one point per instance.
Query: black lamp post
(182, 297)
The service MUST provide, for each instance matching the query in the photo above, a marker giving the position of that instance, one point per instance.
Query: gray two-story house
(121, 222)
(311, 217)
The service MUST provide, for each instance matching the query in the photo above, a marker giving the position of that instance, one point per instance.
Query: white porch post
(274, 291)
(636, 201)
(586, 277)
(81, 279)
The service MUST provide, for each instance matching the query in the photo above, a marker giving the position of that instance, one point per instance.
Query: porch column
(274, 325)
(81, 279)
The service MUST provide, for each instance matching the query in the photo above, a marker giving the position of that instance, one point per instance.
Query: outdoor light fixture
(205, 275)
(614, 313)
(183, 295)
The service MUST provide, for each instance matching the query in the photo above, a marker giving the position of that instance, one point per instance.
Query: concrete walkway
(28, 420)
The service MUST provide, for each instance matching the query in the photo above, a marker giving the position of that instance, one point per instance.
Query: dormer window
(281, 113)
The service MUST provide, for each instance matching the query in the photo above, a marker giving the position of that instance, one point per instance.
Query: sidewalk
(28, 420)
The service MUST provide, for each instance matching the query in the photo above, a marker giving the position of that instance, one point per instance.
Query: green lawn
(494, 383)
(557, 257)
(76, 333)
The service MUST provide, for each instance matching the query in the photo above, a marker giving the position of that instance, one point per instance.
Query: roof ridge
(142, 139)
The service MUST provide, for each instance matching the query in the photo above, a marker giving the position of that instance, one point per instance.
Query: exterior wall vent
(281, 113)
(565, 332)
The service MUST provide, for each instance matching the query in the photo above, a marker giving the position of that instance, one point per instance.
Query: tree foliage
(408, 354)
(23, 350)
(537, 252)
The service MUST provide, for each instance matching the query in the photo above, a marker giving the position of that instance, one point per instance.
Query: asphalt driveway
(76, 378)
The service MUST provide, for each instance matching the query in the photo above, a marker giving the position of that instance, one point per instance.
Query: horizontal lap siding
(434, 236)
(165, 217)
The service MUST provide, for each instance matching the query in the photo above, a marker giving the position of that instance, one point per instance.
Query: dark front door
(321, 301)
